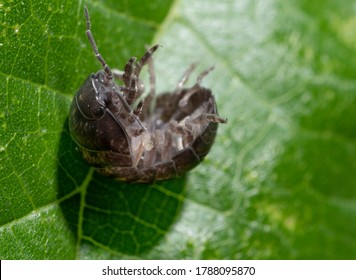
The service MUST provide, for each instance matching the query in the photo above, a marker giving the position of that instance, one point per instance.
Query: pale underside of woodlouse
(139, 139)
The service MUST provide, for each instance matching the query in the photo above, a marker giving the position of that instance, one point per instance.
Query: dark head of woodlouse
(120, 134)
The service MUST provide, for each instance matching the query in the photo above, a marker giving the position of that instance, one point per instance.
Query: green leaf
(279, 182)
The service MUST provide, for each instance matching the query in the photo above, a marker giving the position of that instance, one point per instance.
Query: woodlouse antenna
(95, 47)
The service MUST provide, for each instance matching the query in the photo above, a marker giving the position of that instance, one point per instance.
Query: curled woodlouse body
(133, 142)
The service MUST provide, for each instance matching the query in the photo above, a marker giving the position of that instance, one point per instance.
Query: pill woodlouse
(125, 138)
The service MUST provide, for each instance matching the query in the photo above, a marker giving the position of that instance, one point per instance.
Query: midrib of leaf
(83, 189)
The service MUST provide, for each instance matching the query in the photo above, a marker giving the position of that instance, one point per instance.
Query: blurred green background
(280, 181)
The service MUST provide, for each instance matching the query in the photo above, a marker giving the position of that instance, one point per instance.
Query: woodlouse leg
(144, 59)
(128, 71)
(189, 127)
(138, 84)
(186, 127)
(146, 103)
(129, 111)
(182, 128)
(194, 89)
(151, 71)
(138, 110)
(132, 72)
(207, 118)
(203, 74)
(134, 86)
(95, 47)
(189, 124)
(184, 101)
(184, 78)
(119, 75)
(144, 145)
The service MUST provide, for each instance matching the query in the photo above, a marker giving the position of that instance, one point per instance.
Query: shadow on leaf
(117, 216)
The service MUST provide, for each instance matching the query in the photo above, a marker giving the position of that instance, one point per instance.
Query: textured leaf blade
(279, 181)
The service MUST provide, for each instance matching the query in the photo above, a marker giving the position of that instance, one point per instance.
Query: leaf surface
(279, 182)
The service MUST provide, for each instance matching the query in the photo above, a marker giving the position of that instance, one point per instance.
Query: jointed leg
(128, 71)
(194, 89)
(184, 78)
(94, 46)
(131, 74)
(144, 59)
(146, 103)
